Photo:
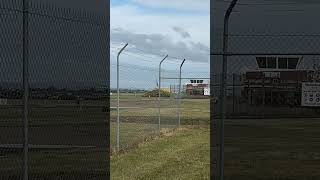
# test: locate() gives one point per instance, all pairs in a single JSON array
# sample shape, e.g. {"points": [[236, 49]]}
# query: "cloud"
{"points": [[197, 25], [186, 5], [153, 32], [162, 44], [181, 31]]}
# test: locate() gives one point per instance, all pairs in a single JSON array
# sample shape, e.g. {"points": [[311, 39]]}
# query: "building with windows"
{"points": [[272, 54], [197, 87], [274, 78], [276, 81]]}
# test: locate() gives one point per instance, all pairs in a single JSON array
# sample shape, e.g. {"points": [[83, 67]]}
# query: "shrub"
{"points": [[155, 93]]}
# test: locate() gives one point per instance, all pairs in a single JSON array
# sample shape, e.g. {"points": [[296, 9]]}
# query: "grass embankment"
{"points": [[184, 154]]}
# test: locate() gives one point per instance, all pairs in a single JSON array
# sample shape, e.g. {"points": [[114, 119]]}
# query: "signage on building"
{"points": [[310, 94], [206, 91], [272, 74]]}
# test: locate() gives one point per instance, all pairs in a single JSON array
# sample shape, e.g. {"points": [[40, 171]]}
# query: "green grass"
{"points": [[185, 154], [56, 164], [131, 134], [257, 149], [272, 149], [193, 111], [139, 124]]}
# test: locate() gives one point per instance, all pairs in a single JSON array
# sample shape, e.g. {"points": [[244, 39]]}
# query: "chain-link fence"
{"points": [[138, 112], [53, 92], [265, 94], [267, 125], [142, 114], [193, 101]]}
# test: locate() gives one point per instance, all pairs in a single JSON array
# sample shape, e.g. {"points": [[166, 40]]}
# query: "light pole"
{"points": [[118, 100], [26, 89], [179, 108], [223, 81], [159, 96]]}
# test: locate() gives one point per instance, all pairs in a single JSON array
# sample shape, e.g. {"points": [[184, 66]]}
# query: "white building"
{"points": [[198, 87]]}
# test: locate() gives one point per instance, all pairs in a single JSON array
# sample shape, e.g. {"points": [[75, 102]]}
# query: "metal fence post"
{"points": [[233, 93], [179, 96], [223, 82], [26, 90], [159, 91], [118, 100], [264, 96]]}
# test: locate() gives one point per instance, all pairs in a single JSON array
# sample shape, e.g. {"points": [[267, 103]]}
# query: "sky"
{"points": [[89, 5], [62, 52], [153, 29], [261, 27]]}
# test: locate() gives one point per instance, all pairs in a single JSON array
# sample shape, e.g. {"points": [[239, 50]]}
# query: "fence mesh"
{"points": [[170, 103], [139, 105], [67, 108], [269, 132], [11, 105], [267, 128], [194, 91]]}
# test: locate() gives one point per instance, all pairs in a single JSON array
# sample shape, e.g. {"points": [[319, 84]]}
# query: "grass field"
{"points": [[53, 124], [131, 134], [167, 157], [193, 110], [183, 154], [67, 123], [255, 149], [73, 164], [138, 124], [258, 149], [269, 149]]}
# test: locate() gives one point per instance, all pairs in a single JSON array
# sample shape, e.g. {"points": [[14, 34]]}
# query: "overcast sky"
{"points": [[61, 52], [153, 28], [91, 5], [266, 26]]}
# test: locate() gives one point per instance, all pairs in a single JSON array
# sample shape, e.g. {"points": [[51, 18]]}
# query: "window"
{"points": [[201, 81], [277, 62], [271, 62], [262, 62], [292, 63], [283, 63]]}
